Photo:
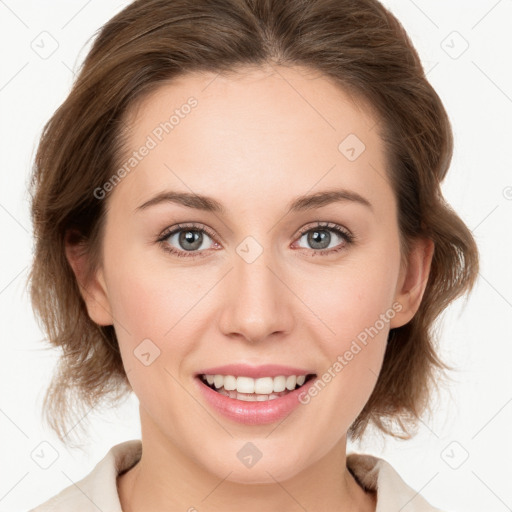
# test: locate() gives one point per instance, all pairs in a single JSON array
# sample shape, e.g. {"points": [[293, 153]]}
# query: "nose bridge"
{"points": [[257, 303], [252, 270]]}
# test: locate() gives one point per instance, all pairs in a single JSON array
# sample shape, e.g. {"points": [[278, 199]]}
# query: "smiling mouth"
{"points": [[255, 390]]}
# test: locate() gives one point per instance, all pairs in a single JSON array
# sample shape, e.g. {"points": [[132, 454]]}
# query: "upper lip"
{"points": [[255, 372]]}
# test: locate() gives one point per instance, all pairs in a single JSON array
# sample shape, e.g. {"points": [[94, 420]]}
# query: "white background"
{"points": [[473, 418]]}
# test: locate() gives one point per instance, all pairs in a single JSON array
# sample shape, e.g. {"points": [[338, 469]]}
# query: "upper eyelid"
{"points": [[325, 225], [182, 226]]}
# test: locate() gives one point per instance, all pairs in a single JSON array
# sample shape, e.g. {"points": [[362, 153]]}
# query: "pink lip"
{"points": [[253, 413], [255, 372]]}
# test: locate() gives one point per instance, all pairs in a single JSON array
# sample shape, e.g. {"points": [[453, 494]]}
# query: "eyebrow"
{"points": [[301, 203]]}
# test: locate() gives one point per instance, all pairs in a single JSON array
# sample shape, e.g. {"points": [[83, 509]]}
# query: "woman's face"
{"points": [[262, 284]]}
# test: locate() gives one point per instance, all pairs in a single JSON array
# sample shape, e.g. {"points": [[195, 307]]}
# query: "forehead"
{"points": [[264, 131]]}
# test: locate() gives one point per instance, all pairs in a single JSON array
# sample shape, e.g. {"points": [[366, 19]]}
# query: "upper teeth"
{"points": [[262, 386]]}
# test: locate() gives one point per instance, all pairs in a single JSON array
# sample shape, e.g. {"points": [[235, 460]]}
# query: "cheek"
{"points": [[153, 330], [359, 317], [352, 300], [159, 316], [150, 301], [355, 305]]}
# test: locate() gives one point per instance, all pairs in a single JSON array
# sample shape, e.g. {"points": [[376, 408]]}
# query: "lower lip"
{"points": [[253, 413]]}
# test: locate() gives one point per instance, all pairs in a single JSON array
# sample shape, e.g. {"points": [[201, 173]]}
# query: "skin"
{"points": [[255, 142]]}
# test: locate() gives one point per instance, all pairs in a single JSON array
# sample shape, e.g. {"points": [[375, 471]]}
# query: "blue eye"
{"points": [[188, 240], [319, 238]]}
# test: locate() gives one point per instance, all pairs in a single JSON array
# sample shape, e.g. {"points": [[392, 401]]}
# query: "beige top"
{"points": [[98, 490]]}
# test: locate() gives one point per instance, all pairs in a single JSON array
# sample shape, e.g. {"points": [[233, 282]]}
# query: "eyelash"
{"points": [[323, 226]]}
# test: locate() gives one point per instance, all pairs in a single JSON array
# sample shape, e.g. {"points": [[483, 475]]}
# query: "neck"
{"points": [[166, 479]]}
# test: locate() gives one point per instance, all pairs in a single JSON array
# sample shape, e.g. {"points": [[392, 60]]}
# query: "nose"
{"points": [[258, 301]]}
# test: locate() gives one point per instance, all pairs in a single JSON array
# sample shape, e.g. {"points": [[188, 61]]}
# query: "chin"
{"points": [[265, 467]]}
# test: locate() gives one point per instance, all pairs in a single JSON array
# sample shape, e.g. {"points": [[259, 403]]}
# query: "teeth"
{"points": [[291, 382], [218, 381], [268, 386], [229, 383], [279, 384], [250, 397]]}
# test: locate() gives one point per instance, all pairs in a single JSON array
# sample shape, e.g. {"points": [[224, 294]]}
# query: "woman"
{"points": [[299, 149]]}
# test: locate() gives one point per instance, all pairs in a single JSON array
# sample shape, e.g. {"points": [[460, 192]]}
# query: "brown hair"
{"points": [[357, 43]]}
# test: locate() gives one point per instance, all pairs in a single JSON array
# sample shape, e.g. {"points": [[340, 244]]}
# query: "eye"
{"points": [[183, 239], [191, 240], [321, 240]]}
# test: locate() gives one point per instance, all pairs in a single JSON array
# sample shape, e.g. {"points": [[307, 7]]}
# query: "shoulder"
{"points": [[98, 490], [376, 474]]}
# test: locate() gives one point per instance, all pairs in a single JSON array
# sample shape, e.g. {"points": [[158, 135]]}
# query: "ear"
{"points": [[412, 280], [92, 288]]}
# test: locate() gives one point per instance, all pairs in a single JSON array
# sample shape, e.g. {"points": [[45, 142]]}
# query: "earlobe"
{"points": [[413, 280], [92, 288]]}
